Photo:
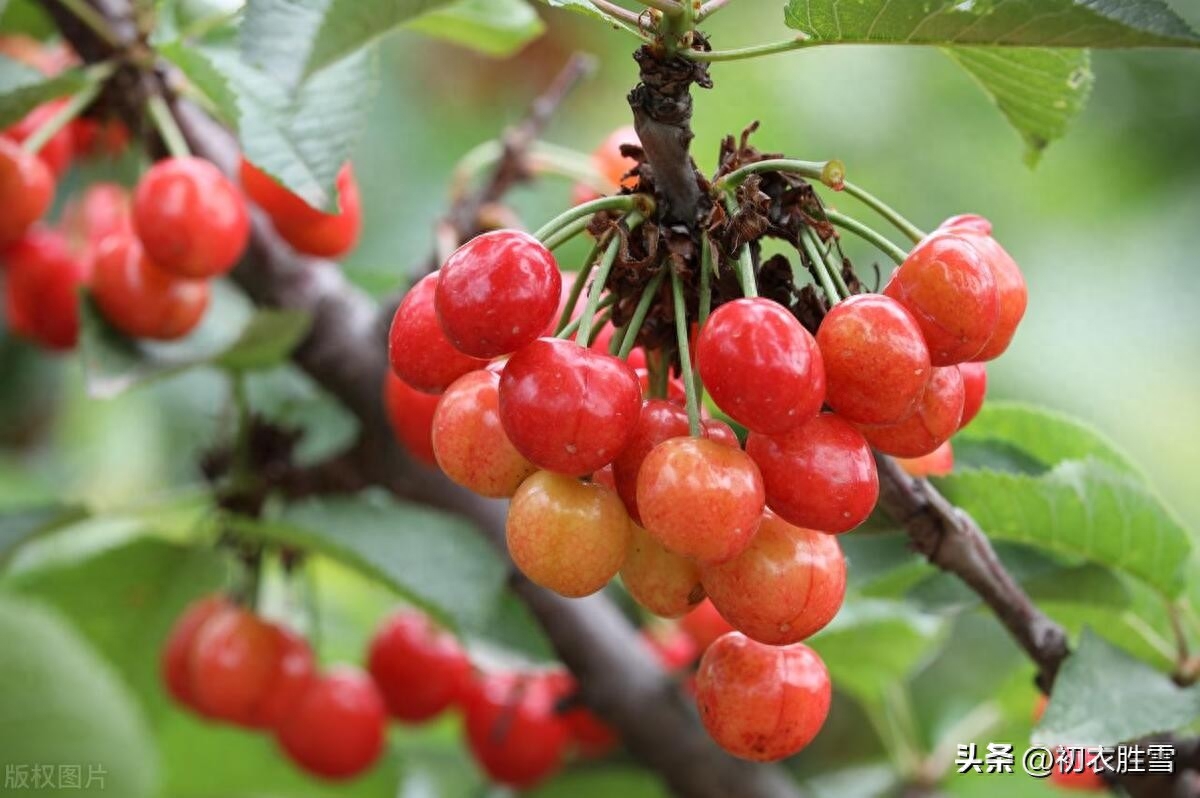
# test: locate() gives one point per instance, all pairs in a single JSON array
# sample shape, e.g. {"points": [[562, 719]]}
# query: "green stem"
{"points": [[629, 340], [623, 202], [874, 237], [710, 8], [602, 272], [745, 267], [706, 269], [577, 289], [832, 173], [567, 233], [671, 8], [685, 356], [603, 315], [755, 51], [72, 109], [818, 263], [168, 128], [886, 211], [93, 19], [835, 266]]}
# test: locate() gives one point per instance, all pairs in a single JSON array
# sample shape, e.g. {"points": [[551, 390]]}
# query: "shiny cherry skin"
{"points": [[659, 420], [968, 222], [60, 149], [568, 536], [951, 292], [568, 409], [469, 441], [762, 703], [141, 300], [410, 414], [784, 588], [306, 229], [700, 498], [717, 430], [1010, 283], [420, 669], [295, 670], [876, 360], [233, 664], [704, 625], [102, 210], [190, 218], [418, 350], [497, 293], [937, 463], [660, 580], [41, 288], [975, 380], [937, 418], [176, 655], [820, 475], [761, 366], [26, 190], [611, 163], [337, 729], [514, 730]]}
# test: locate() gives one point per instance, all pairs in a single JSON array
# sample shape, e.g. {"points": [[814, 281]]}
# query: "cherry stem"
{"points": [[745, 268], [623, 202], [832, 172], [73, 108], [606, 264], [874, 237], [93, 19], [685, 355], [807, 241], [167, 127], [573, 327], [567, 233], [542, 158], [577, 289], [886, 211], [629, 339], [835, 266], [755, 51], [705, 304], [669, 7]]}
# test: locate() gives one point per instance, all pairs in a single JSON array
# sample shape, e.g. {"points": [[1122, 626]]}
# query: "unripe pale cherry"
{"points": [[568, 409], [700, 498], [337, 728], [103, 209], [937, 418], [410, 415], [760, 702], [513, 728], [41, 288], [820, 475], [420, 670], [420, 353], [704, 625], [497, 293], [26, 190], [140, 299], [785, 587], [568, 536], [659, 420], [1010, 283], [974, 390], [876, 360], [951, 292], [469, 441], [937, 463], [306, 229], [760, 365], [190, 218], [660, 580]]}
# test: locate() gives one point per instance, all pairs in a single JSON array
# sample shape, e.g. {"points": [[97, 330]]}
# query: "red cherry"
{"points": [[295, 670], [659, 420], [58, 151], [700, 498], [672, 647], [603, 338], [675, 390], [761, 702], [974, 390], [497, 293], [469, 441], [820, 475], [704, 625], [96, 137], [785, 587], [604, 478], [594, 737], [26, 190], [410, 414], [949, 289], [761, 366], [336, 730], [42, 281], [967, 222], [100, 211], [420, 669], [190, 218], [1086, 780], [233, 663], [568, 536], [937, 463], [660, 580], [611, 163], [566, 408], [141, 300], [1013, 293], [418, 350], [719, 431], [876, 361], [176, 655], [514, 730], [937, 418], [306, 229]]}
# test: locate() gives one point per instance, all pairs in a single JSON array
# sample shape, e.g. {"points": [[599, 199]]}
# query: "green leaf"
{"points": [[267, 341], [494, 27], [437, 560], [1046, 23], [589, 9], [1103, 697], [205, 78], [23, 88], [20, 525], [64, 706]]}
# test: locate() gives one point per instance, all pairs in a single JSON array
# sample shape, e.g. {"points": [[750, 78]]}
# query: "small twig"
{"points": [[619, 12], [710, 8]]}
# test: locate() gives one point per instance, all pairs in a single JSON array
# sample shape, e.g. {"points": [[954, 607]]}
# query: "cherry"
{"points": [[42, 281], [49, 59], [717, 430], [100, 211], [306, 229], [58, 151], [659, 420], [418, 350], [785, 587], [26, 190], [410, 414], [594, 737], [761, 366], [513, 728], [176, 655], [498, 292], [937, 463], [675, 390], [604, 478], [761, 702], [295, 670], [566, 408], [974, 390], [663, 582], [141, 300], [949, 289], [672, 647], [1010, 283], [611, 163], [95, 137], [704, 625], [968, 222], [1062, 776], [420, 669], [937, 418], [469, 441], [700, 498], [820, 475], [876, 361], [568, 536], [337, 728], [190, 218]]}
